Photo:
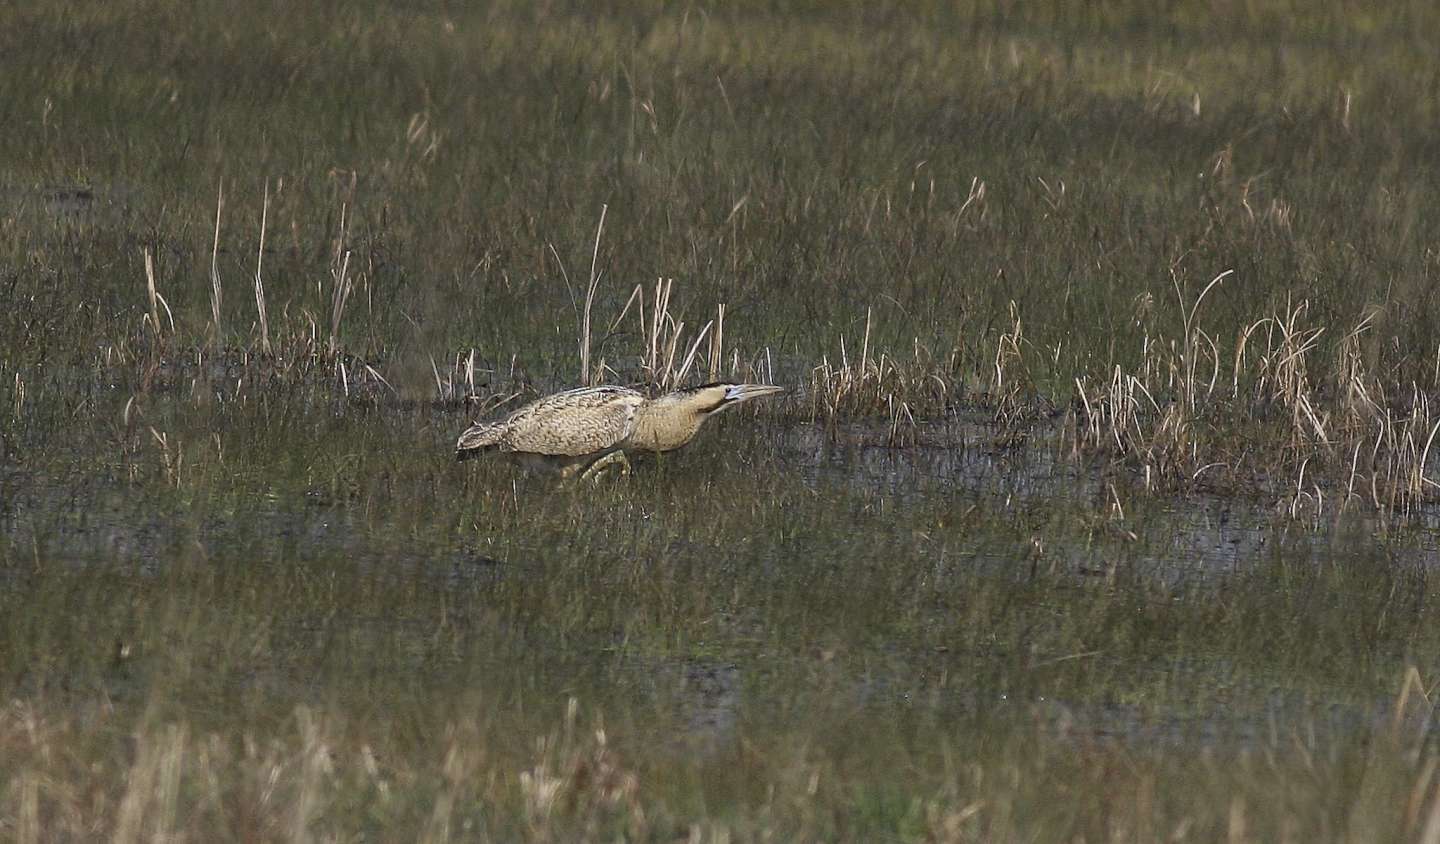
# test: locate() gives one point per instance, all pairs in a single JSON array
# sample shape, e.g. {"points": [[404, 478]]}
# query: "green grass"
{"points": [[829, 128], [916, 667], [248, 594]]}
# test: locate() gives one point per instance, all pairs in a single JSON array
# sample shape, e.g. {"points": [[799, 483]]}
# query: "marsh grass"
{"points": [[574, 783], [1101, 505], [325, 672], [382, 659], [945, 248], [1364, 439]]}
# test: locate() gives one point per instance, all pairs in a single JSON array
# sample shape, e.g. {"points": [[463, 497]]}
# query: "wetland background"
{"points": [[1100, 507]]}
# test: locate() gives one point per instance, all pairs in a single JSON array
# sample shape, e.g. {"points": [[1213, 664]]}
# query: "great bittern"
{"points": [[590, 428]]}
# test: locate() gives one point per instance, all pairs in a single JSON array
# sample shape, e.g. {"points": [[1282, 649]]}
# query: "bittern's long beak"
{"points": [[737, 393]]}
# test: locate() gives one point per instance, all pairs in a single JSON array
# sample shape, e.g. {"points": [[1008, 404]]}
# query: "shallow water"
{"points": [[782, 517]]}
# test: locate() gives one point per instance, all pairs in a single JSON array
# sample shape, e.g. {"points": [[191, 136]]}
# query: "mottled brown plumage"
{"points": [[581, 429]]}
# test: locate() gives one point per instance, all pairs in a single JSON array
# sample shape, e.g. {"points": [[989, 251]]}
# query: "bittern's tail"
{"points": [[477, 438]]}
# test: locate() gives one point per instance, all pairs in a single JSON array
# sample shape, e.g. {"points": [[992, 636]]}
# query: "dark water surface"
{"points": [[765, 568]]}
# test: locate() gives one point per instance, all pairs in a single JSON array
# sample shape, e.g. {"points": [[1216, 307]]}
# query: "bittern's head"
{"points": [[713, 398]]}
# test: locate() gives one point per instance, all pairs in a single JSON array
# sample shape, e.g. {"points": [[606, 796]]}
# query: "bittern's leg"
{"points": [[614, 458]]}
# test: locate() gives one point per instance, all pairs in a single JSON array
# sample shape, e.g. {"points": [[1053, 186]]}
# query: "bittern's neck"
{"points": [[670, 421]]}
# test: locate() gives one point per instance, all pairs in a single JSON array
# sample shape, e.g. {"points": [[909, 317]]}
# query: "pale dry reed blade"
{"points": [[1191, 334], [663, 337], [341, 284], [659, 318], [586, 376], [444, 387], [671, 344], [262, 319], [19, 398], [675, 379], [668, 356], [339, 297], [217, 336], [717, 343], [1008, 352], [636, 296], [157, 301], [865, 345]]}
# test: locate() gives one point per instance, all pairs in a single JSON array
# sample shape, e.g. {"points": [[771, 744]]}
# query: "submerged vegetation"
{"points": [[1101, 504]]}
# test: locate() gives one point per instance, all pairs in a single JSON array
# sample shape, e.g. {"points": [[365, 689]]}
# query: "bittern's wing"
{"points": [[588, 420]]}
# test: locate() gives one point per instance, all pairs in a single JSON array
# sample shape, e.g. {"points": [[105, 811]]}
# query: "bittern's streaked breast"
{"points": [[574, 429]]}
